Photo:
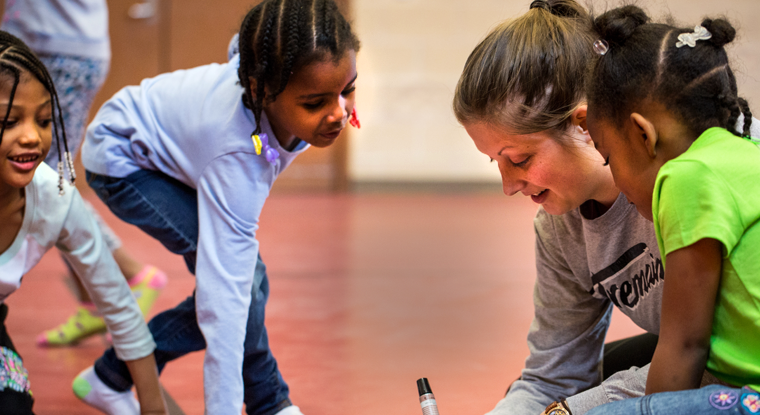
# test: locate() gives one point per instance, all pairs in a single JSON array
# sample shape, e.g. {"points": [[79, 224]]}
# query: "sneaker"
{"points": [[88, 387], [290, 410], [146, 286], [81, 325]]}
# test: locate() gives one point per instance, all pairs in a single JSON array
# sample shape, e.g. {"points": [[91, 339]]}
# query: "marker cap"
{"points": [[423, 386]]}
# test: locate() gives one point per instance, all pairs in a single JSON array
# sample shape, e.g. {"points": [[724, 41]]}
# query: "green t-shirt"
{"points": [[713, 191]]}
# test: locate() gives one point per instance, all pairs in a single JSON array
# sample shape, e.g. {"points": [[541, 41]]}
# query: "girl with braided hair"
{"points": [[39, 210], [189, 157], [521, 97], [71, 39], [663, 105]]}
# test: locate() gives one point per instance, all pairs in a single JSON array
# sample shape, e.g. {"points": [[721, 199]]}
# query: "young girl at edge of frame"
{"points": [[190, 156], [521, 99], [71, 38], [663, 104], [39, 210]]}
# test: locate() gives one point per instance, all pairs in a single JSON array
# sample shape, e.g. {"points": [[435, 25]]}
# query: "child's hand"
{"points": [[145, 376]]}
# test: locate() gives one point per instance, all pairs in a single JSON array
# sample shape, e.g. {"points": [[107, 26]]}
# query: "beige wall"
{"points": [[412, 55]]}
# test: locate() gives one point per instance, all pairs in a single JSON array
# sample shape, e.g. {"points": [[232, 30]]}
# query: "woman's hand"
{"points": [[557, 408]]}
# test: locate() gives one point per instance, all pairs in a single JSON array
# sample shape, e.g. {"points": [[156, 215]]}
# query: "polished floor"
{"points": [[369, 292]]}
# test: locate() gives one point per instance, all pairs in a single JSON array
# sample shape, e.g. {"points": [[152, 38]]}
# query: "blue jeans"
{"points": [[167, 210], [713, 399]]}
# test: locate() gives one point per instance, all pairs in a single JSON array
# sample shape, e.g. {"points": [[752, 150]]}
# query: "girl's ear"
{"points": [[645, 133]]}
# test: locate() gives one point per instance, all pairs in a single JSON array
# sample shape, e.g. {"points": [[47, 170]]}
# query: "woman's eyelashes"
{"points": [[522, 163], [606, 161]]}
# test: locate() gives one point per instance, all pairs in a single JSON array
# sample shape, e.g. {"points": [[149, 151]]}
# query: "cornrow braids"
{"points": [[644, 62], [279, 37], [15, 59]]}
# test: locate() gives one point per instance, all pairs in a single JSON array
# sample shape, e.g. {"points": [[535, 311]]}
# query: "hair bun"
{"points": [[560, 8], [721, 30], [617, 25]]}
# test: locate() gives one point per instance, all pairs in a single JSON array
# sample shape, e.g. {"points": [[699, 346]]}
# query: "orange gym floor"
{"points": [[368, 293]]}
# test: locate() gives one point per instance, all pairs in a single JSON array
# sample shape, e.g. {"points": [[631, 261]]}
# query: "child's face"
{"points": [[28, 130], [633, 170], [558, 176], [316, 103]]}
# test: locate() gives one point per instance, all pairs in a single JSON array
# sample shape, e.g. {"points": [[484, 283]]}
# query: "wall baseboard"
{"points": [[425, 187]]}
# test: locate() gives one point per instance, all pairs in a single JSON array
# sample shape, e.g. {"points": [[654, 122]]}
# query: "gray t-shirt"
{"points": [[584, 268]]}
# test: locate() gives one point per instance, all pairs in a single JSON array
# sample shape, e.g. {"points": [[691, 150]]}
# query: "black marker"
{"points": [[427, 400]]}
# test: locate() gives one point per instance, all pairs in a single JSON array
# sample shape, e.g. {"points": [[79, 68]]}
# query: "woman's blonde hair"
{"points": [[528, 74]]}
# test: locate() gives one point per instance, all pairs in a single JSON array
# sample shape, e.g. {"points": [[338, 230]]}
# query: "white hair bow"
{"points": [[700, 33]]}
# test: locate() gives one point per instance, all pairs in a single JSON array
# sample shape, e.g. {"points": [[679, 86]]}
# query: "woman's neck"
{"points": [[603, 198]]}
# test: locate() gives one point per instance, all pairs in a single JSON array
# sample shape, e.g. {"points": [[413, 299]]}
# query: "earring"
{"points": [[354, 120]]}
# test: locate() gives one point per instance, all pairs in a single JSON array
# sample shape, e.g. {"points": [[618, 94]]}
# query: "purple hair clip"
{"points": [[261, 143]]}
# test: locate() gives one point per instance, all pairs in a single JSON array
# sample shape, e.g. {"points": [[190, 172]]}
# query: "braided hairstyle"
{"points": [[16, 59], [643, 62], [278, 37], [528, 73]]}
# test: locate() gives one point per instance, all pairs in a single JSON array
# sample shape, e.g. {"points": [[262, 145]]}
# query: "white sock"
{"points": [[290, 410], [89, 388]]}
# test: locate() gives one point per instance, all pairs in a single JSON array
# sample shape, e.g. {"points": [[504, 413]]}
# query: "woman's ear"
{"points": [[578, 121], [578, 117], [644, 133]]}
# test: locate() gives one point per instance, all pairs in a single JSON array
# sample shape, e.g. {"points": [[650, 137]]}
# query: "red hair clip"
{"points": [[354, 120]]}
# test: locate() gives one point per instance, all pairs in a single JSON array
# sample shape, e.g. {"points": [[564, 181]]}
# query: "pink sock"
{"points": [[158, 281], [89, 306]]}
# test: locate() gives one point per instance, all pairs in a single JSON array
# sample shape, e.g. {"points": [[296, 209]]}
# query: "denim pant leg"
{"points": [[159, 205], [176, 334], [710, 400]]}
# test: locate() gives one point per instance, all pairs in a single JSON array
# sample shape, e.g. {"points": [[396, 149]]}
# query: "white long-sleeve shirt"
{"points": [[64, 222]]}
